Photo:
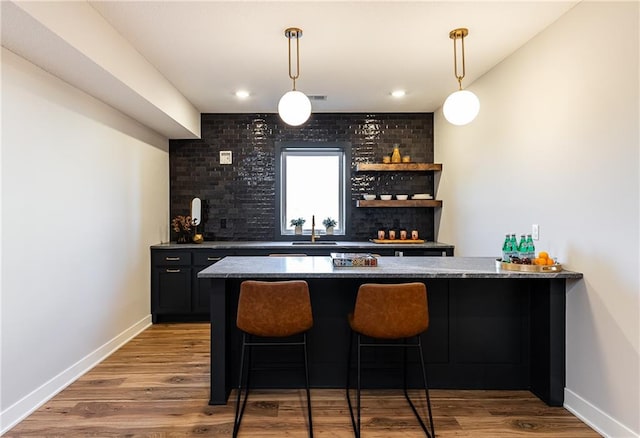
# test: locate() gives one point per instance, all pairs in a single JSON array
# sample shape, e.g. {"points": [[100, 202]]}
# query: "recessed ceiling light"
{"points": [[398, 93], [242, 94]]}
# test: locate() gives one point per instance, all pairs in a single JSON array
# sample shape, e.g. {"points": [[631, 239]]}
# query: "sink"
{"points": [[326, 242]]}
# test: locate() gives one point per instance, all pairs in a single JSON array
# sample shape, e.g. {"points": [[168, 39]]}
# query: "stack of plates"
{"points": [[422, 196]]}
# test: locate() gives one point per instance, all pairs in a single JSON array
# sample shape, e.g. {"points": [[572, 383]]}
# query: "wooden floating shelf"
{"points": [[396, 203], [399, 167]]}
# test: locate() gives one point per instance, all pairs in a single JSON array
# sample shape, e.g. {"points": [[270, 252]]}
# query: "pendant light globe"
{"points": [[461, 107], [294, 108]]}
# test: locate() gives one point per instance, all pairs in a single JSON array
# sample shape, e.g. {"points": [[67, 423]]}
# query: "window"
{"points": [[312, 180]]}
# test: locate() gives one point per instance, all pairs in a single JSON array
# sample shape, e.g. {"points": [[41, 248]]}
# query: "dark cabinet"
{"points": [[200, 293], [176, 292]]}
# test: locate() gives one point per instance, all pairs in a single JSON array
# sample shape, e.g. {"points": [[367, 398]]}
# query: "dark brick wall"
{"points": [[242, 195]]}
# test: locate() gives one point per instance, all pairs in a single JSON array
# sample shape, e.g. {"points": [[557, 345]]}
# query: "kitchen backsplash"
{"points": [[239, 199]]}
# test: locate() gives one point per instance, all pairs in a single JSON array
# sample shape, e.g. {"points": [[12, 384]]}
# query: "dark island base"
{"points": [[483, 334]]}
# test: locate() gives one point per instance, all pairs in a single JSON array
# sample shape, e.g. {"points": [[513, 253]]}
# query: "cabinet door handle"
{"points": [[214, 259], [172, 259], [173, 271]]}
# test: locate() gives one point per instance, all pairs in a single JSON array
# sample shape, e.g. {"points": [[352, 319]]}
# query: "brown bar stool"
{"points": [[276, 309], [390, 312]]}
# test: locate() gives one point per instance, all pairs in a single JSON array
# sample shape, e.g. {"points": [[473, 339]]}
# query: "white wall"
{"points": [[84, 194], [556, 144]]}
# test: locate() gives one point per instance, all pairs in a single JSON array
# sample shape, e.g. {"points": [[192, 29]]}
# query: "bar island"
{"points": [[489, 328]]}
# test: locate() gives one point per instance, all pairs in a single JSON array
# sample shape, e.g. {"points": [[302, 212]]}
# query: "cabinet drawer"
{"points": [[171, 258], [207, 258]]}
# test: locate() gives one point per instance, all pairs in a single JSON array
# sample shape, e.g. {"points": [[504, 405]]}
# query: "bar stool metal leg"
{"points": [[358, 388], [239, 409], [306, 376], [424, 381], [426, 387], [356, 428]]}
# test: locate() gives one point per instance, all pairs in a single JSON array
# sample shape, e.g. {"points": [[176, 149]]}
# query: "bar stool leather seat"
{"points": [[272, 309], [390, 312]]}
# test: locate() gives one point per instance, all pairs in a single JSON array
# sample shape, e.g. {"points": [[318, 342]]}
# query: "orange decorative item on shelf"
{"points": [[396, 157]]}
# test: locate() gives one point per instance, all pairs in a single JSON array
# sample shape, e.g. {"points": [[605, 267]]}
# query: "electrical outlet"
{"points": [[225, 157], [535, 232]]}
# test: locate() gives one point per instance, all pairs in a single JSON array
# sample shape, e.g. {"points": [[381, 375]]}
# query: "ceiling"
{"points": [[353, 52]]}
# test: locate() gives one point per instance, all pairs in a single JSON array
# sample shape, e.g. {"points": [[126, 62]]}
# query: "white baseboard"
{"points": [[598, 420], [28, 404]]}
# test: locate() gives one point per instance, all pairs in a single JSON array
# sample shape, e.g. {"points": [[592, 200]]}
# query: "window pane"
{"points": [[313, 187]]}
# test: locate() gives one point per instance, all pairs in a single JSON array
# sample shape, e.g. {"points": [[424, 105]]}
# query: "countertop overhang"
{"points": [[388, 267]]}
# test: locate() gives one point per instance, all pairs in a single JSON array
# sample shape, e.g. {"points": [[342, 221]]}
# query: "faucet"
{"points": [[313, 229]]}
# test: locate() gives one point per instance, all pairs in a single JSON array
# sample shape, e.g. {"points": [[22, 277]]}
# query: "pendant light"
{"points": [[462, 106], [294, 107]]}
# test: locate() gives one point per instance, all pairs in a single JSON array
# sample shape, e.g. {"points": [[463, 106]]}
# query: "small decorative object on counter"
{"points": [[197, 237], [395, 156], [329, 223], [386, 159], [403, 234], [353, 259], [414, 234], [406, 159], [298, 223], [381, 234], [181, 225], [392, 234]]}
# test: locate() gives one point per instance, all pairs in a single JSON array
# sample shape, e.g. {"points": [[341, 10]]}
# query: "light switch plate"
{"points": [[225, 157]]}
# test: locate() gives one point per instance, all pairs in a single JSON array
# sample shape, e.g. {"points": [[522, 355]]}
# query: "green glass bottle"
{"points": [[514, 247], [506, 249], [522, 247], [531, 248]]}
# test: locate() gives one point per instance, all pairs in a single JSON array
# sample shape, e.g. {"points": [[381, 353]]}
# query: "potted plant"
{"points": [[329, 223], [181, 225], [298, 223]]}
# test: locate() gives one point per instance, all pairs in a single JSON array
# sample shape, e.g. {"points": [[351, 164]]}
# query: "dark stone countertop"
{"points": [[339, 245]]}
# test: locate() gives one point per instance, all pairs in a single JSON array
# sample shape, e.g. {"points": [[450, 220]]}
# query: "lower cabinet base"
{"points": [[198, 317], [483, 334]]}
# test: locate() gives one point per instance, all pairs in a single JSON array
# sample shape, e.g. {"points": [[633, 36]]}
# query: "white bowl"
{"points": [[386, 197], [402, 197], [369, 197]]}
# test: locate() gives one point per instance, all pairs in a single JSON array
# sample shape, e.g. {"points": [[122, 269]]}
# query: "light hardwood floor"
{"points": [[157, 386]]}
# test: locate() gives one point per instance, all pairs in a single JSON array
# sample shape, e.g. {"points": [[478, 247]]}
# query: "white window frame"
{"points": [[311, 149]]}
